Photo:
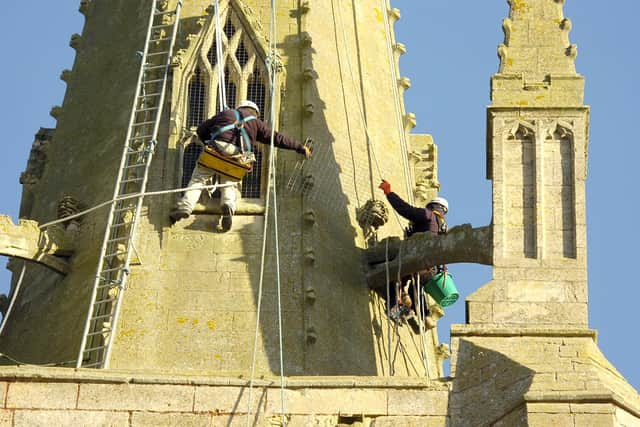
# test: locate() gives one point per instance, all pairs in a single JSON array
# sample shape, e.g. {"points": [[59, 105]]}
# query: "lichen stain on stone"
{"points": [[182, 320], [523, 103], [127, 333], [194, 322], [539, 97], [211, 324], [520, 6], [509, 61], [217, 356], [379, 16]]}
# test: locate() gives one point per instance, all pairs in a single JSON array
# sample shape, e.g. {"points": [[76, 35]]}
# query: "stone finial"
{"points": [[76, 40], [84, 6], [394, 14], [55, 111], [65, 75]]}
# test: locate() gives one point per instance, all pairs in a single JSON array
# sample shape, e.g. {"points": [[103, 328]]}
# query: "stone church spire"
{"points": [[537, 59]]}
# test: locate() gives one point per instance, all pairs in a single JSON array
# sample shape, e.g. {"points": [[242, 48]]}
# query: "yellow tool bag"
{"points": [[224, 165]]}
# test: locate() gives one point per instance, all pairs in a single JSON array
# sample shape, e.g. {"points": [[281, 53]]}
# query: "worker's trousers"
{"points": [[204, 176]]}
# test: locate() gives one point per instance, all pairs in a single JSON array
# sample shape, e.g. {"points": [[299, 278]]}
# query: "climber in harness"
{"points": [[430, 219], [231, 133]]}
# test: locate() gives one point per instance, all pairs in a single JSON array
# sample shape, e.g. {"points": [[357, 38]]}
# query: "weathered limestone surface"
{"points": [[460, 244], [54, 396], [49, 247]]}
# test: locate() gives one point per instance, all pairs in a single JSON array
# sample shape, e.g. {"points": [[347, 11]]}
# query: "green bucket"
{"points": [[442, 289]]}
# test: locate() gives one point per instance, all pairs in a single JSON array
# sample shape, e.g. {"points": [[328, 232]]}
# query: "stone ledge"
{"points": [[47, 374], [519, 331], [583, 397]]}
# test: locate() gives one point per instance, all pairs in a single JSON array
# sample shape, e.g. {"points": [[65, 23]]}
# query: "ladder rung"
{"points": [[90, 365], [115, 254], [119, 224], [164, 12], [145, 123], [126, 208], [160, 40], [147, 109], [131, 180], [154, 67], [119, 239], [103, 316], [109, 270], [146, 82], [164, 52], [103, 301], [108, 285], [140, 137], [150, 95], [135, 166], [155, 27], [93, 334], [89, 350]]}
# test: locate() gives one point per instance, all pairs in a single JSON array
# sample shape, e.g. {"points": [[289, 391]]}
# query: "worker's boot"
{"points": [[227, 218], [177, 214]]}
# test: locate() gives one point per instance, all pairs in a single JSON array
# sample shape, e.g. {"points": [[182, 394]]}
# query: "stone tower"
{"points": [[191, 299], [525, 356]]}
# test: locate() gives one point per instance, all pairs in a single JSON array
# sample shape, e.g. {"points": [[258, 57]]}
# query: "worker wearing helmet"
{"points": [[430, 218], [237, 142]]}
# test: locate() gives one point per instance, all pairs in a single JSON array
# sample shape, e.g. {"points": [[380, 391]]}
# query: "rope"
{"points": [[222, 88], [271, 187], [132, 196], [13, 298], [17, 362], [370, 142], [386, 256], [396, 103]]}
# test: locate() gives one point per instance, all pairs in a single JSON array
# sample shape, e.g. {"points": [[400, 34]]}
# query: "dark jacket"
{"points": [[422, 219], [257, 130]]}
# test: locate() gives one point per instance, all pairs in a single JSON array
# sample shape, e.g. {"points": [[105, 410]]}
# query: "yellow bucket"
{"points": [[232, 168]]}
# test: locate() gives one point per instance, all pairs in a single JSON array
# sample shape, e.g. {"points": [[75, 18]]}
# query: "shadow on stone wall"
{"points": [[488, 388]]}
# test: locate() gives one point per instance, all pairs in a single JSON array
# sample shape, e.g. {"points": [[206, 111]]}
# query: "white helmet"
{"points": [[441, 201], [248, 104]]}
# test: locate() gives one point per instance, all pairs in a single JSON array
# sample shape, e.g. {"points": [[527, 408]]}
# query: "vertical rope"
{"points": [[14, 296], [396, 103], [386, 256], [271, 187], [222, 86]]}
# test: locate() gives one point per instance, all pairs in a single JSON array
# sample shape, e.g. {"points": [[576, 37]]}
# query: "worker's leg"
{"points": [[228, 199], [201, 176]]}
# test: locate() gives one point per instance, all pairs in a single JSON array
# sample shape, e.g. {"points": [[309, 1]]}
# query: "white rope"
{"points": [[396, 101], [370, 142], [132, 196], [386, 256], [271, 187], [222, 88], [14, 296]]}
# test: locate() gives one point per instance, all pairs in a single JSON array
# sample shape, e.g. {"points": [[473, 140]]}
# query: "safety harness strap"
{"points": [[239, 125]]}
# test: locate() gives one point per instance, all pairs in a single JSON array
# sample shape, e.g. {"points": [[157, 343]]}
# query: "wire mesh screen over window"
{"points": [[245, 78]]}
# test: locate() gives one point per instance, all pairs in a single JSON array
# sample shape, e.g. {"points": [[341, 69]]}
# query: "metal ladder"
{"points": [[115, 256]]}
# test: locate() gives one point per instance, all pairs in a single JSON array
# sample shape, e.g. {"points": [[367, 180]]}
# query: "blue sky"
{"points": [[451, 56]]}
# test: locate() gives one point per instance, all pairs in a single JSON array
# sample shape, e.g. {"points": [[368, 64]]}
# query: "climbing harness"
{"points": [[237, 166]]}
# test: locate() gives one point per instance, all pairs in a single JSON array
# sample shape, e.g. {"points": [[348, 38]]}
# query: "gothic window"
{"points": [[244, 78], [197, 99]]}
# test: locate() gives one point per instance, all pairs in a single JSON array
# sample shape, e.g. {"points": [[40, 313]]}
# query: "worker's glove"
{"points": [[307, 152], [385, 186]]}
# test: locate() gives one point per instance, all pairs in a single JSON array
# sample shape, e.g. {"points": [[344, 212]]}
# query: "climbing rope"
{"points": [[212, 188], [396, 101], [14, 296], [222, 88], [272, 66]]}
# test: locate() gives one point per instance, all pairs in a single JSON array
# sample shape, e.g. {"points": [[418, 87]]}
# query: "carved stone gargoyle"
{"points": [[50, 247], [461, 244]]}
